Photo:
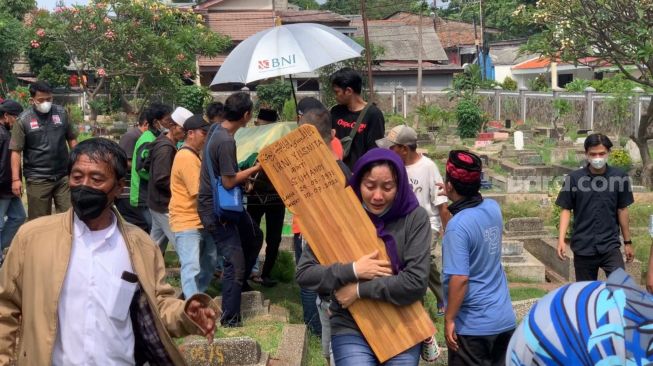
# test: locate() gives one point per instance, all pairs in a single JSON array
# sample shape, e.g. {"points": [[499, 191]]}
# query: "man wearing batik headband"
{"points": [[479, 318]]}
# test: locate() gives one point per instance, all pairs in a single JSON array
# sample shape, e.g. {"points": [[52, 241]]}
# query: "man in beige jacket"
{"points": [[85, 287]]}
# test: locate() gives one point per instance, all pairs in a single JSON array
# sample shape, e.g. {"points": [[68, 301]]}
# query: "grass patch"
{"points": [[314, 356], [642, 245], [514, 210], [525, 293], [171, 259], [497, 168], [284, 267], [640, 214], [266, 332]]}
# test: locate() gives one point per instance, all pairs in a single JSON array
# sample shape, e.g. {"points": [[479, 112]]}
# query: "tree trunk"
{"points": [[641, 140]]}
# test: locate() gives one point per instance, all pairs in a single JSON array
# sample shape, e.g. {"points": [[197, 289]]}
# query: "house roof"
{"points": [[411, 66], [312, 16], [508, 55], [545, 62], [212, 62], [400, 41], [240, 24], [452, 33], [207, 4]]}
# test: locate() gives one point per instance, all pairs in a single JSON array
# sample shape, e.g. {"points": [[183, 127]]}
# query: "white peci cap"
{"points": [[180, 115]]}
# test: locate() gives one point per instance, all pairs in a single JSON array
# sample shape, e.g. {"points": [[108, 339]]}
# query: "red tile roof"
{"points": [[240, 24], [544, 62], [212, 61]]}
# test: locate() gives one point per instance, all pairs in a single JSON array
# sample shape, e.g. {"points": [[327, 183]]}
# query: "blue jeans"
{"points": [[15, 211], [240, 243], [308, 297], [198, 255], [161, 233], [353, 350]]}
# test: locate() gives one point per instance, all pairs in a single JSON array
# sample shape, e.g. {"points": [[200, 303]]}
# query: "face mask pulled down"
{"points": [[88, 203]]}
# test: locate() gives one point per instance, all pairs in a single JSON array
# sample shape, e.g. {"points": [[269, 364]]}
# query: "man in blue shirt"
{"points": [[479, 318]]}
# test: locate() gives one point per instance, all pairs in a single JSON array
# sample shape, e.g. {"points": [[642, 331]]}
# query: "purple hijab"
{"points": [[404, 203]]}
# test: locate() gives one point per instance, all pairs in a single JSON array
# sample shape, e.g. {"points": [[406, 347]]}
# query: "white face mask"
{"points": [[597, 163], [43, 107]]}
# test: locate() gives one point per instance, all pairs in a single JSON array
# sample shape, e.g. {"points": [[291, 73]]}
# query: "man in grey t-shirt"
{"points": [[240, 240]]}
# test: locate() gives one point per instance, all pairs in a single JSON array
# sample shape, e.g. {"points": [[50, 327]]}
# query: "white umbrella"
{"points": [[285, 50]]}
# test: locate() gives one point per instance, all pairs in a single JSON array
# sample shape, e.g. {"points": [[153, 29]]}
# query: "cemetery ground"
{"points": [[267, 329], [530, 234]]}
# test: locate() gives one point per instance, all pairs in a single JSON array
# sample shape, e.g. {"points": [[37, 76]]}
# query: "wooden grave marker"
{"points": [[304, 172]]}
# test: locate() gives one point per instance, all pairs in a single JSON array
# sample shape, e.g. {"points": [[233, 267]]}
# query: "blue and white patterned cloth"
{"points": [[587, 323]]}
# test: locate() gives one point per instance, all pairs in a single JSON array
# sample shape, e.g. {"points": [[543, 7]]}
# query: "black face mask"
{"points": [[88, 203]]}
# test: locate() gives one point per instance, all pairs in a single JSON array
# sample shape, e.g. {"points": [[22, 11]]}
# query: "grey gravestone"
{"points": [[227, 351], [530, 160], [512, 251], [252, 303], [525, 224], [633, 151]]}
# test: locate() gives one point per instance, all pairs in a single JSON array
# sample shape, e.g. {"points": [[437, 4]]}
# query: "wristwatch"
{"points": [[628, 241]]}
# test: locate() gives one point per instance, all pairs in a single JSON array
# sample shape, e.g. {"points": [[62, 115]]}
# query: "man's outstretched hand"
{"points": [[203, 316]]}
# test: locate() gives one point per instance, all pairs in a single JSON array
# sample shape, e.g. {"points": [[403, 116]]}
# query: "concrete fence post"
{"points": [[637, 108], [394, 100], [589, 107], [497, 103], [522, 103]]}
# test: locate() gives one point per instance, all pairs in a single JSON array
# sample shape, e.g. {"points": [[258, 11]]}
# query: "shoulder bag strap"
{"points": [[355, 129]]}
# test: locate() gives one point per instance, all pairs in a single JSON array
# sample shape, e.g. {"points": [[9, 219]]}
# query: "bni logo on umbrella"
{"points": [[277, 62]]}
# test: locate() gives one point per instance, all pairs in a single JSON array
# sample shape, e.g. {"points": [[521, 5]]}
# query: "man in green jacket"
{"points": [[159, 120]]}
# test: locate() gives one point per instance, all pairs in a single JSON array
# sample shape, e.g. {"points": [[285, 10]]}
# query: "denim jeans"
{"points": [[198, 255], [13, 209], [240, 243], [161, 233], [353, 350], [308, 297]]}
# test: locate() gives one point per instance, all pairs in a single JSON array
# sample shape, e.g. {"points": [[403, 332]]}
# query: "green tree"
{"points": [[376, 9], [359, 64], [513, 17], [306, 4], [17, 8], [141, 46], [617, 32], [48, 61], [12, 43], [274, 94], [194, 98]]}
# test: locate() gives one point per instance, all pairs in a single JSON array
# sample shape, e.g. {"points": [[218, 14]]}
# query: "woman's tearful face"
{"points": [[378, 190]]}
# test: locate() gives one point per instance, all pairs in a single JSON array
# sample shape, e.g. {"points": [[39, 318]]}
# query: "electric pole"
{"points": [[482, 42], [368, 53], [419, 66]]}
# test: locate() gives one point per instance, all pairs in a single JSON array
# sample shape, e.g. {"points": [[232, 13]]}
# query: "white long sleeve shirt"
{"points": [[94, 326]]}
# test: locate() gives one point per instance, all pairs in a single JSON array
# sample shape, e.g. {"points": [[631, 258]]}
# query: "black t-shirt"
{"points": [[5, 164], [221, 149], [128, 141], [594, 201], [371, 129]]}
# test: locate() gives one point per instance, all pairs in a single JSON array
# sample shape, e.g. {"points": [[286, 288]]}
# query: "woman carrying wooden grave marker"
{"points": [[380, 182]]}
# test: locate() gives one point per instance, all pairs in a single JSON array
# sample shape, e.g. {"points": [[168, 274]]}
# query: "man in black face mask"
{"points": [[90, 287], [40, 139]]}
